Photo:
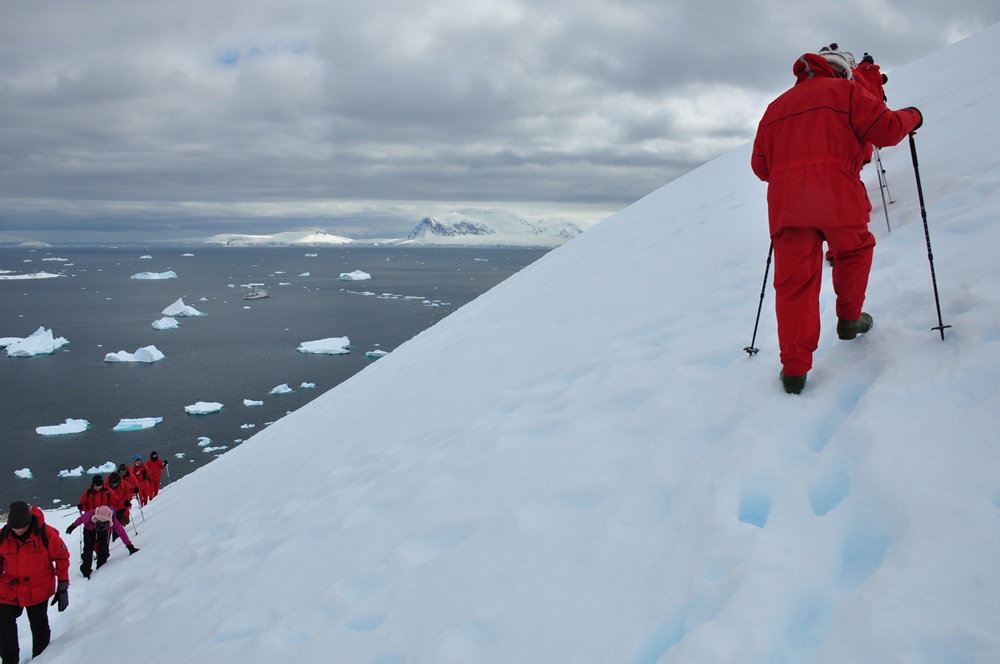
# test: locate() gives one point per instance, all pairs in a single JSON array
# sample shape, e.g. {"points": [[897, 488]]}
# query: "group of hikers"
{"points": [[34, 559]]}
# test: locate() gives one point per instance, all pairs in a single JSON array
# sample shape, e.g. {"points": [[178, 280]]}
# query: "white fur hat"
{"points": [[841, 61]]}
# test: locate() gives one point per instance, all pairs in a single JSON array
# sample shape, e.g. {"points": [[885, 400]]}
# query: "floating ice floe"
{"points": [[178, 308], [170, 274], [166, 323], [137, 423], [281, 389], [61, 260], [204, 441], [357, 275], [203, 408], [251, 402], [24, 473], [69, 426], [284, 283], [108, 467], [217, 449], [247, 426], [187, 255], [312, 255], [41, 342], [147, 256], [180, 455], [76, 472], [375, 354], [146, 354], [203, 299], [305, 274], [307, 386], [35, 275], [331, 346]]}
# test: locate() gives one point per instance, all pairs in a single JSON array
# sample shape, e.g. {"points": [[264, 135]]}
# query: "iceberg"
{"points": [[251, 402], [204, 441], [281, 389], [136, 424], [375, 354], [307, 386], [155, 275], [178, 308], [217, 449], [24, 473], [147, 256], [76, 472], [203, 408], [247, 426], [41, 342], [331, 346], [108, 467], [357, 275], [146, 354], [69, 426], [166, 323], [34, 275], [305, 274]]}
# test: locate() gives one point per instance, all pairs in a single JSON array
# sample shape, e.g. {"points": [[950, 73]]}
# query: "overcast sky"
{"points": [[133, 120]]}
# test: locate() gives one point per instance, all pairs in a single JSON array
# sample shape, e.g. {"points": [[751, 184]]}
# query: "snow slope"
{"points": [[583, 465]]}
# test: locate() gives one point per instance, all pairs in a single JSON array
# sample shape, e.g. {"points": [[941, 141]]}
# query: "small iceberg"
{"points": [[217, 449], [24, 473], [375, 354], [187, 255], [108, 467], [178, 308], [251, 402], [331, 346], [76, 472], [282, 389], [203, 408], [147, 256], [41, 342], [147, 354], [155, 275], [135, 424], [307, 386], [247, 426], [357, 275], [305, 274], [166, 323], [204, 441], [69, 426]]}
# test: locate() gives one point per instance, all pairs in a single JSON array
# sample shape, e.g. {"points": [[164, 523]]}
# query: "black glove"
{"points": [[919, 114], [166, 463], [885, 79], [69, 530], [61, 597], [132, 549]]}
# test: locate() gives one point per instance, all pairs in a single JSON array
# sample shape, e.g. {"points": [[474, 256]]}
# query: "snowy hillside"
{"points": [[584, 466]]}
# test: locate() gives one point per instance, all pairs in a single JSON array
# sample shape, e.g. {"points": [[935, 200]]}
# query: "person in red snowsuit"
{"points": [[121, 498], [34, 566], [154, 467], [95, 496], [809, 148], [871, 77], [141, 478]]}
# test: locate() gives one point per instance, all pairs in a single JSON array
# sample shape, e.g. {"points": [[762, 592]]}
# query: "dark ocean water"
{"points": [[229, 355]]}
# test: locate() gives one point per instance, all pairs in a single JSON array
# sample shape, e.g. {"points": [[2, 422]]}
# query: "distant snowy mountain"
{"points": [[491, 229], [308, 238], [23, 242]]}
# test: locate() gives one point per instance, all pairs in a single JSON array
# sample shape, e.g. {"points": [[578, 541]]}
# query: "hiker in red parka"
{"points": [[95, 496], [33, 560], [154, 467], [141, 478], [871, 77], [808, 148], [121, 498]]}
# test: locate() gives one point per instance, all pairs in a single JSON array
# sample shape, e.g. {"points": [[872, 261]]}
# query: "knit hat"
{"points": [[867, 58], [102, 513], [154, 455], [137, 458], [97, 481], [841, 61], [114, 479], [20, 514]]}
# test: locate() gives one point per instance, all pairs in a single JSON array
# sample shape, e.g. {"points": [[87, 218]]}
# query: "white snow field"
{"points": [[583, 466]]}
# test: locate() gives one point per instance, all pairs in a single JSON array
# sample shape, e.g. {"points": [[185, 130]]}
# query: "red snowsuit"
{"points": [[29, 570], [869, 75], [809, 148], [93, 498], [154, 468], [141, 478]]}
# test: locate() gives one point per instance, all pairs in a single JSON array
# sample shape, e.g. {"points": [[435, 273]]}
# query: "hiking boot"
{"points": [[849, 329], [793, 384], [84, 571]]}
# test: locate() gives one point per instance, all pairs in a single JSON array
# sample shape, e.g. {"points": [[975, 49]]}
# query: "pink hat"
{"points": [[103, 513]]}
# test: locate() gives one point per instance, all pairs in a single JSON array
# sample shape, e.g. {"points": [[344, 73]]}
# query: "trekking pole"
{"points": [[881, 175], [751, 351], [883, 186], [927, 235], [139, 501]]}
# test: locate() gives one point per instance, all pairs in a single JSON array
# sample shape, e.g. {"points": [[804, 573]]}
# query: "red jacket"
{"points": [[154, 467], [29, 569], [92, 499], [810, 146], [121, 496], [869, 75]]}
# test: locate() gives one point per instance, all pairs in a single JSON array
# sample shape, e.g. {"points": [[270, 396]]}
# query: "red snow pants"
{"points": [[798, 276]]}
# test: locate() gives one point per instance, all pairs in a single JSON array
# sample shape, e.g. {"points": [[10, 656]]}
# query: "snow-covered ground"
{"points": [[583, 465]]}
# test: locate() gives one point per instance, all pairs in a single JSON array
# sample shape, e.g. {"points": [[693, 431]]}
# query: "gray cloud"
{"points": [[191, 118]]}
